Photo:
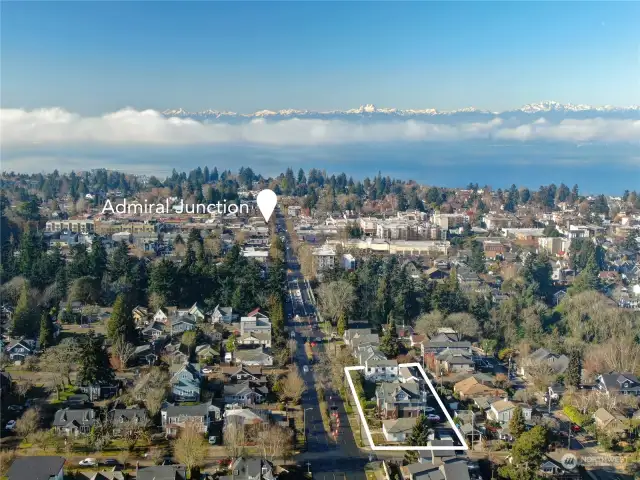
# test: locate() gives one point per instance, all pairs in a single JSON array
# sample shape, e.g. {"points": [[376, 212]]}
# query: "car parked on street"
{"points": [[433, 417], [88, 462], [11, 425]]}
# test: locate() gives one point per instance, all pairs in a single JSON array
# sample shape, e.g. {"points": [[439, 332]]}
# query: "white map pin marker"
{"points": [[267, 200]]}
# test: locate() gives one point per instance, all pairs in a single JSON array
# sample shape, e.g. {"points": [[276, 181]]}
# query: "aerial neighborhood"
{"points": [[499, 325]]}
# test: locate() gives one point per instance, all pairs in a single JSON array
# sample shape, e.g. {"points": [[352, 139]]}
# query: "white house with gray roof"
{"points": [[381, 370]]}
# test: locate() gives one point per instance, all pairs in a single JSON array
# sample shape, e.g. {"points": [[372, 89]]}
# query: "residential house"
{"points": [[74, 422], [120, 416], [353, 333], [452, 361], [502, 411], [36, 468], [255, 321], [242, 373], [255, 338], [113, 474], [406, 375], [174, 417], [471, 388], [250, 469], [253, 356], [222, 315], [558, 363], [381, 370], [153, 331], [101, 391], [554, 468], [207, 354], [162, 472], [244, 393], [140, 315], [185, 383], [244, 416], [611, 422], [368, 352], [399, 429], [161, 316], [618, 383], [182, 323], [440, 465], [20, 349], [397, 400]]}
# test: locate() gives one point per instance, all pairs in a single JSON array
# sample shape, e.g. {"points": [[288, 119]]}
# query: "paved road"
{"points": [[327, 457]]}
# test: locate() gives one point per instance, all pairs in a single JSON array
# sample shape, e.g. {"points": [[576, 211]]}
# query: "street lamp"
{"points": [[304, 423]]}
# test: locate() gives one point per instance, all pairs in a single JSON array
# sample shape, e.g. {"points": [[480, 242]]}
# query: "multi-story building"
{"points": [[325, 257], [76, 226]]}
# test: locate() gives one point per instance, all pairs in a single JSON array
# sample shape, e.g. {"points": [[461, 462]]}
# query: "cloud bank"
{"points": [[51, 127]]}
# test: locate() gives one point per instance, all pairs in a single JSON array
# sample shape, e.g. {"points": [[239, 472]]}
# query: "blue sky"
{"points": [[96, 57]]}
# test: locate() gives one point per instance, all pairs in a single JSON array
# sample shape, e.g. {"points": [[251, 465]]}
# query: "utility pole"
{"points": [[569, 437]]}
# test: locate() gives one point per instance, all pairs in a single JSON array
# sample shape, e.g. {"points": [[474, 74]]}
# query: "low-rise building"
{"points": [[398, 400], [175, 417], [399, 429]]}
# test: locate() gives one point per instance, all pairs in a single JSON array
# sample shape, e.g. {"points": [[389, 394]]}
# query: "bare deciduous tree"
{"points": [[429, 323], [275, 441], [190, 448], [292, 386], [335, 299], [28, 423], [234, 438], [124, 351], [541, 373], [465, 325], [132, 431]]}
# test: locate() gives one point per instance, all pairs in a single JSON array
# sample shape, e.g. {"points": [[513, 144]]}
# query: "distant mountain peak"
{"points": [[370, 110]]}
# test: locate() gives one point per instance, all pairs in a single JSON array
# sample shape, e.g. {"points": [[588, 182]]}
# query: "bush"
{"points": [[575, 415]]}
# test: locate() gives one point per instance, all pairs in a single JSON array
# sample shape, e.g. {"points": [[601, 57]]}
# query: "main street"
{"points": [[327, 457]]}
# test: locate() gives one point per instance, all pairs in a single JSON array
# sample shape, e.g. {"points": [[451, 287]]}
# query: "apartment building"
{"points": [[76, 226]]}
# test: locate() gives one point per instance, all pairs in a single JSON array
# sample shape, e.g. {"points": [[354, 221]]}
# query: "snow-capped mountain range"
{"points": [[549, 110]]}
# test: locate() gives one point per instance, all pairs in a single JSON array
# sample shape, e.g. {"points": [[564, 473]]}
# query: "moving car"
{"points": [[305, 369], [88, 462], [11, 424], [213, 440]]}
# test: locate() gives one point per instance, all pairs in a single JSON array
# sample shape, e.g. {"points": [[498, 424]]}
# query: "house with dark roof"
{"points": [[397, 400], [558, 363], [162, 472], [452, 361], [18, 350], [123, 416], [182, 323], [74, 422], [618, 384], [185, 383], [241, 373], [36, 468], [250, 469], [245, 393], [174, 417]]}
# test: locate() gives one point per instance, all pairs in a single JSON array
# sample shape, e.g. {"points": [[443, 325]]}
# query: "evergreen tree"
{"points": [[589, 277], [46, 331], [121, 324], [25, 316], [342, 324], [477, 259], [95, 367], [630, 243], [573, 375], [276, 315], [517, 425], [389, 342], [98, 259], [419, 437]]}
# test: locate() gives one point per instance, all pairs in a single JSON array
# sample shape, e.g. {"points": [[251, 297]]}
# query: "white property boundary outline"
{"points": [[404, 448]]}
